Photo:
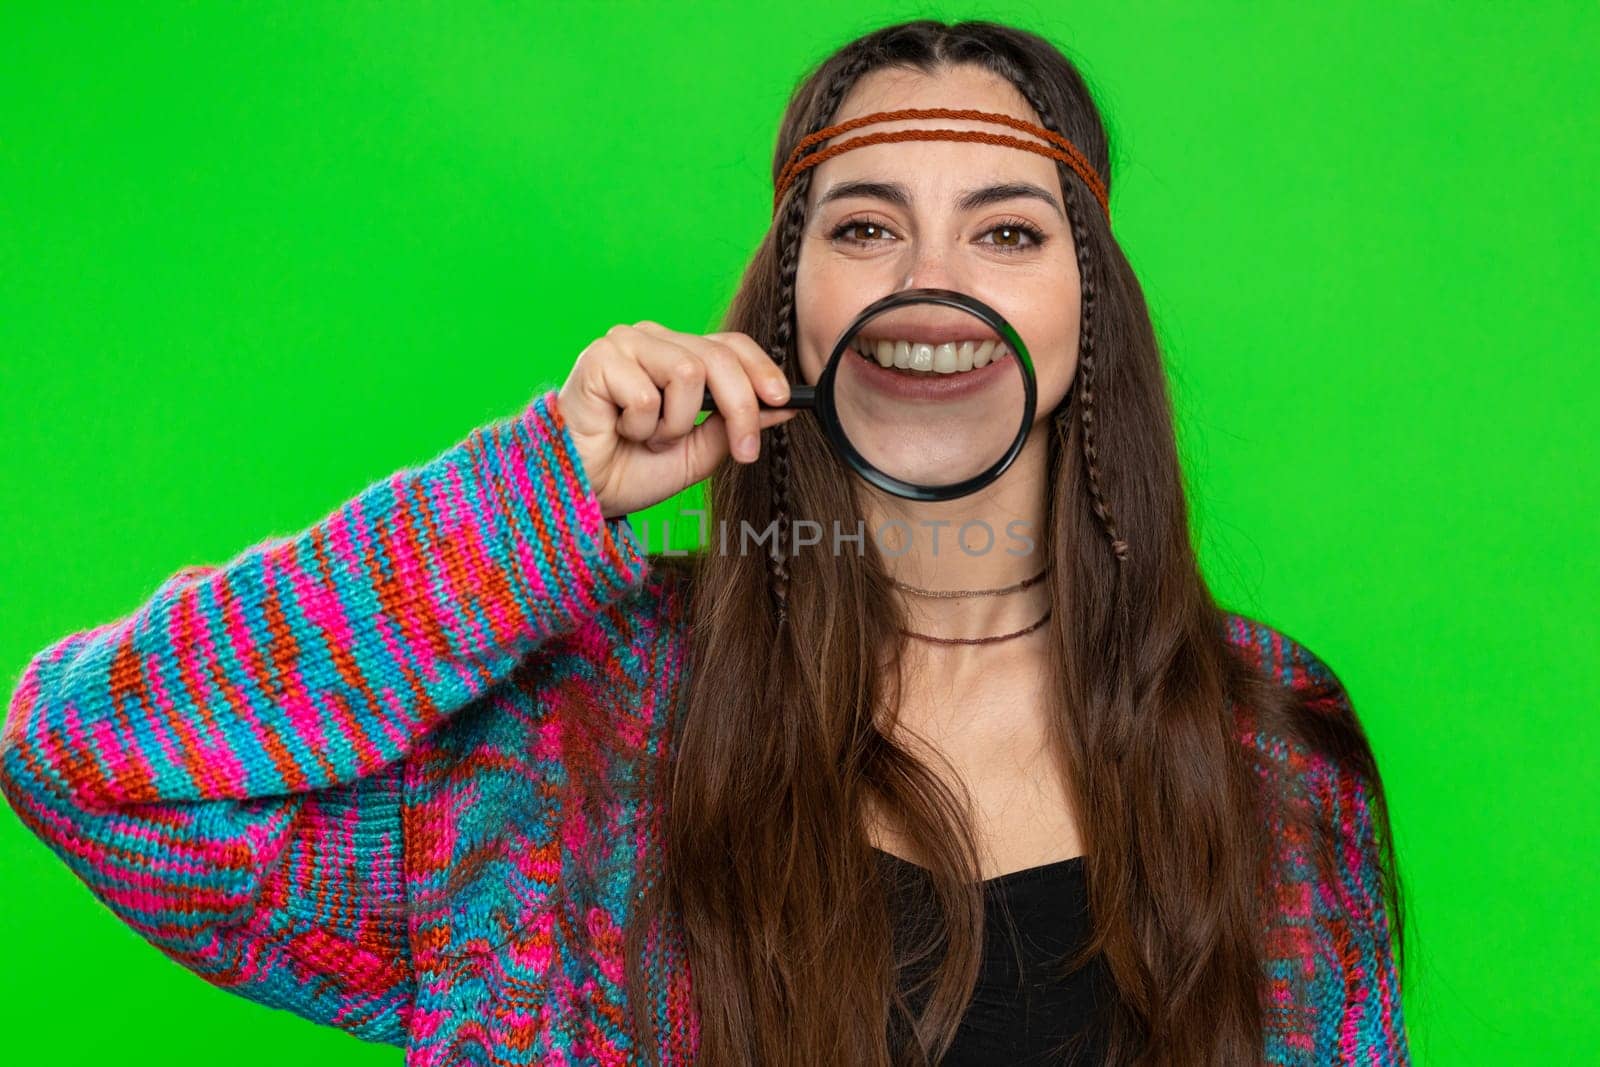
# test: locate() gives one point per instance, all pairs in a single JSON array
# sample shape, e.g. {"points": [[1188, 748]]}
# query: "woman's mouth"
{"points": [[899, 369], [951, 357]]}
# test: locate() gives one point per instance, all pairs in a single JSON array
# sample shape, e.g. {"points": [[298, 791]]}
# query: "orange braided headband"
{"points": [[1066, 152]]}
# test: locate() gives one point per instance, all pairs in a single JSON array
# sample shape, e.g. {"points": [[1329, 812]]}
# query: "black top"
{"points": [[1019, 1014]]}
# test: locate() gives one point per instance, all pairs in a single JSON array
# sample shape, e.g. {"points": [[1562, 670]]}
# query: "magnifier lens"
{"points": [[930, 394]]}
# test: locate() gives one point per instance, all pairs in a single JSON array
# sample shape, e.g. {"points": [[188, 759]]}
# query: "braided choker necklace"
{"points": [[964, 593]]}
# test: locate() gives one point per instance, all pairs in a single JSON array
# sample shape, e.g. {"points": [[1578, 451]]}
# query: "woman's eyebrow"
{"points": [[895, 193]]}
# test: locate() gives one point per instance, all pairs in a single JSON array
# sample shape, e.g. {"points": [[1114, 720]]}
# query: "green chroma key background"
{"points": [[253, 259]]}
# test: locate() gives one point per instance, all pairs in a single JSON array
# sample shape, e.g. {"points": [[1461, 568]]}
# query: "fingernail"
{"points": [[777, 391], [748, 446]]}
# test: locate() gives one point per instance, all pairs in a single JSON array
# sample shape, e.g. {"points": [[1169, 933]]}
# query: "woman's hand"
{"points": [[631, 402]]}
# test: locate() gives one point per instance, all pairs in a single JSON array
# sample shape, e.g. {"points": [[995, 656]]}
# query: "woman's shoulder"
{"points": [[1314, 750], [1277, 654], [1297, 721], [1320, 702]]}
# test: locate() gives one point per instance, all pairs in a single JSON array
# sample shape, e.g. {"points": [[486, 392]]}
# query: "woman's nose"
{"points": [[929, 269]]}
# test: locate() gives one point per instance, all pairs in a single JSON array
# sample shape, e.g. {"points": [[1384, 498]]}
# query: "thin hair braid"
{"points": [[1086, 347], [778, 446], [794, 217]]}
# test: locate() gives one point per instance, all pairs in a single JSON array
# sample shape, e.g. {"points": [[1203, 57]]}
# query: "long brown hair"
{"points": [[777, 750]]}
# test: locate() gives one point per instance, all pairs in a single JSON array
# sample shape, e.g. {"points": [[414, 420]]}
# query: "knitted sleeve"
{"points": [[223, 767], [1366, 1024], [1372, 1022]]}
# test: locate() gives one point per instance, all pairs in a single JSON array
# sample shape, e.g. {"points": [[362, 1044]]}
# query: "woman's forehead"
{"points": [[926, 174], [933, 171]]}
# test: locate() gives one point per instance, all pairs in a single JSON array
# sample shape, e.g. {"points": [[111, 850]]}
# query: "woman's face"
{"points": [[909, 229]]}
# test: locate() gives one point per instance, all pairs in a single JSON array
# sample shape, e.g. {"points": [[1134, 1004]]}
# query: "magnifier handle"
{"points": [[800, 396]]}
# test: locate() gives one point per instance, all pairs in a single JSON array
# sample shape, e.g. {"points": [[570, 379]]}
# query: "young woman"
{"points": [[460, 768]]}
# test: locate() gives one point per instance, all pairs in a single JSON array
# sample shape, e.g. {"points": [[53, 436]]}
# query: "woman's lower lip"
{"points": [[932, 385]]}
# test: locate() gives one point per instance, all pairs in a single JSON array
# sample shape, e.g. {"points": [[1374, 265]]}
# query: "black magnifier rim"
{"points": [[829, 415]]}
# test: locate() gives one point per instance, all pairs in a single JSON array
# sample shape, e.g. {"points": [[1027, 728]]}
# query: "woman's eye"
{"points": [[848, 231], [1016, 236]]}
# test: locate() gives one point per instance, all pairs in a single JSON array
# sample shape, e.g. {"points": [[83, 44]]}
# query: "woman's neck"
{"points": [[988, 540]]}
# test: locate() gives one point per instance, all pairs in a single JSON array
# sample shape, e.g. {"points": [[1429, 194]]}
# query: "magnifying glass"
{"points": [[929, 394]]}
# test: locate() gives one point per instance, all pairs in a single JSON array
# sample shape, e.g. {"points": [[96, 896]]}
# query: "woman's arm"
{"points": [[1371, 1023], [1368, 1025], [223, 767]]}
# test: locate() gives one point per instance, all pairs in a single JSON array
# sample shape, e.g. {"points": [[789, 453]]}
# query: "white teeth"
{"points": [[951, 357]]}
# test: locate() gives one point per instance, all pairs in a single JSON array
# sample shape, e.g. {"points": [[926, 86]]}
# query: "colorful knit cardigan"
{"points": [[334, 776]]}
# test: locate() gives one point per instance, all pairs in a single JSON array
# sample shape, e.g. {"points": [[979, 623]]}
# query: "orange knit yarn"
{"points": [[1067, 152]]}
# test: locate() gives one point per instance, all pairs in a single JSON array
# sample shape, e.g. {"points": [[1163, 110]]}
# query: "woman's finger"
{"points": [[681, 373], [764, 371], [635, 393], [735, 396], [730, 387]]}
